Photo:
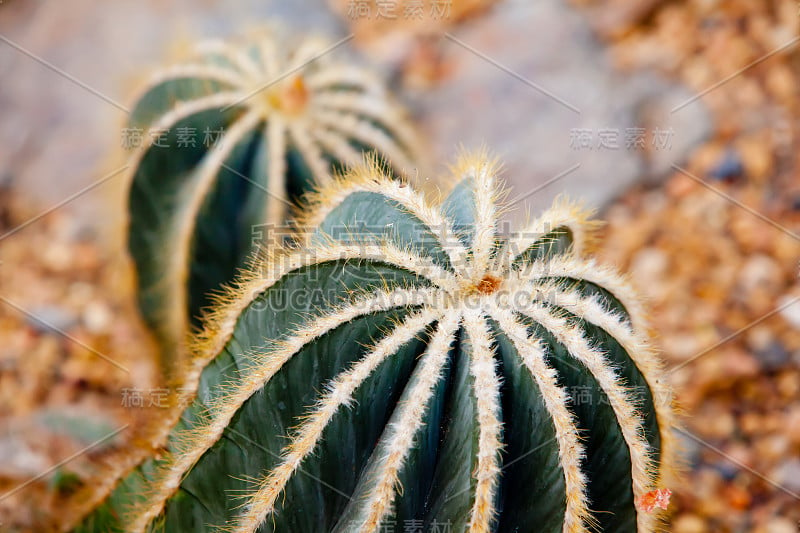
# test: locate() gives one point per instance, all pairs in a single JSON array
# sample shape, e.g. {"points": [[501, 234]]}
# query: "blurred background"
{"points": [[677, 120]]}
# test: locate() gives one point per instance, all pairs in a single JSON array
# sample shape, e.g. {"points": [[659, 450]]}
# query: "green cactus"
{"points": [[233, 137], [406, 363]]}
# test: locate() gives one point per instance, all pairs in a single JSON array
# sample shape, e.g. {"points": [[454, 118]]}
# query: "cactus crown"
{"points": [[433, 371], [235, 136]]}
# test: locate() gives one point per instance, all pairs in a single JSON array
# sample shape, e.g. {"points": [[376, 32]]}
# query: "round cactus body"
{"points": [[230, 140], [407, 365]]}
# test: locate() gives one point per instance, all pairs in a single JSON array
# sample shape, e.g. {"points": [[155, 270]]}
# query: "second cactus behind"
{"points": [[230, 140]]}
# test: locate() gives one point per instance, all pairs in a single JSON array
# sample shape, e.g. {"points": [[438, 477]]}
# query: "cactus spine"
{"points": [[433, 371]]}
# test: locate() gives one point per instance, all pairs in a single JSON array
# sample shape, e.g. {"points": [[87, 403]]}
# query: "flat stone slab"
{"points": [[532, 83], [529, 81]]}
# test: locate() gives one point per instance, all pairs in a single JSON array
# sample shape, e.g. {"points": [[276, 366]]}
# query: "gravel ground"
{"points": [[712, 243], [716, 250]]}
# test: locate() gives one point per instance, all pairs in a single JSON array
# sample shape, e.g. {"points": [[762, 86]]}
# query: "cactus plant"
{"points": [[407, 364], [233, 137]]}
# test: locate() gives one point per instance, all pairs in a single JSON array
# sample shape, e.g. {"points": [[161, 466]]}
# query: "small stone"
{"points": [[680, 185], [760, 271], [51, 319], [756, 157], [781, 82], [751, 423], [780, 525], [773, 447], [740, 452], [689, 523], [788, 383], [716, 424], [787, 474], [784, 248], [97, 317], [748, 231], [737, 497], [759, 337], [690, 449], [80, 293], [790, 311], [792, 424], [729, 167], [681, 346], [19, 460], [647, 269], [58, 256], [706, 488], [774, 357], [738, 363], [87, 258], [727, 470]]}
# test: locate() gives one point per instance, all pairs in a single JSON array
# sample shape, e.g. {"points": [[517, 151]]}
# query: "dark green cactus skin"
{"points": [[223, 231], [178, 264], [331, 488]]}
